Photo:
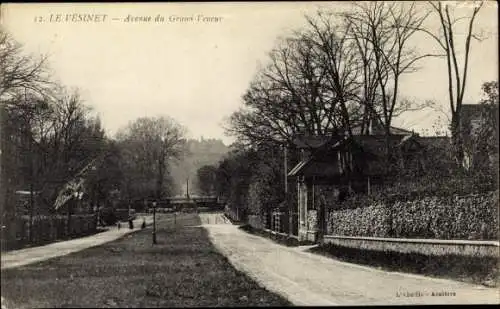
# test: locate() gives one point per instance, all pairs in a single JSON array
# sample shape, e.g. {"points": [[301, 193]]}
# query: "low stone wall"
{"points": [[421, 246]]}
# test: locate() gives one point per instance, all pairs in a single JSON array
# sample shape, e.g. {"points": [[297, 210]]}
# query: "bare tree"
{"points": [[146, 145], [382, 32], [457, 77], [338, 59], [306, 89], [20, 73]]}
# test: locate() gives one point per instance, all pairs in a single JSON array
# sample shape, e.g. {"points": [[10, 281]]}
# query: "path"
{"points": [[26, 256], [309, 279]]}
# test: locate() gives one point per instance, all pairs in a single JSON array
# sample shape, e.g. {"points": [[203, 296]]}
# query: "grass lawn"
{"points": [[183, 269], [476, 270]]}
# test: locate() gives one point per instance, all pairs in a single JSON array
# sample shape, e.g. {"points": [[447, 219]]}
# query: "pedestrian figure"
{"points": [[143, 226], [118, 224], [130, 223]]}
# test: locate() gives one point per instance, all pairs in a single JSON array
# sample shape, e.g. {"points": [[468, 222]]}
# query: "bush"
{"points": [[460, 217], [108, 216]]}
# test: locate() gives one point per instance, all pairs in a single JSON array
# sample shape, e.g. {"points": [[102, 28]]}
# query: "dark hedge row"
{"points": [[473, 216]]}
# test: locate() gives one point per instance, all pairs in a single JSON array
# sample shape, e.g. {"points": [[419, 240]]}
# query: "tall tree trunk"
{"points": [[456, 139]]}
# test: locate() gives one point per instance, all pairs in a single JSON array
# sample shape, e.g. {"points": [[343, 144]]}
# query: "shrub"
{"points": [[459, 217], [108, 216]]}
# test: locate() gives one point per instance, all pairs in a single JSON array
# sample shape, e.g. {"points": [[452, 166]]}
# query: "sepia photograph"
{"points": [[223, 154]]}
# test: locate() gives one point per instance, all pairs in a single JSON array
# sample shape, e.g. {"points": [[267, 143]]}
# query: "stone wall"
{"points": [[421, 246]]}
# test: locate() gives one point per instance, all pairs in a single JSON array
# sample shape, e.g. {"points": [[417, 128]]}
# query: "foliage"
{"points": [[481, 138], [251, 180], [108, 216], [458, 217], [147, 148], [48, 133], [56, 136], [233, 178], [206, 179]]}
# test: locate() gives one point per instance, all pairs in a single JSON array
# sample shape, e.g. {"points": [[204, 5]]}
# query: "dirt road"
{"points": [[308, 279]]}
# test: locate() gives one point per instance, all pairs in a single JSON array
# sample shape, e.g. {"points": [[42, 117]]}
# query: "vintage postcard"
{"points": [[249, 154]]}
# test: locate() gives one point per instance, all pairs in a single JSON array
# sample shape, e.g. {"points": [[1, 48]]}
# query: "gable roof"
{"points": [[379, 130], [312, 141], [323, 161], [303, 141]]}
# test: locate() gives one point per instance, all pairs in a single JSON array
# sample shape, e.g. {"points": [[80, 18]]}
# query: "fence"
{"points": [[278, 221], [235, 214], [47, 229]]}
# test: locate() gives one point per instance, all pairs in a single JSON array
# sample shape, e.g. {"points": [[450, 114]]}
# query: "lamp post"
{"points": [[154, 223], [159, 184]]}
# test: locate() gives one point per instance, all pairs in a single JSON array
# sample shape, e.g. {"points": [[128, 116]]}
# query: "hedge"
{"points": [[472, 217]]}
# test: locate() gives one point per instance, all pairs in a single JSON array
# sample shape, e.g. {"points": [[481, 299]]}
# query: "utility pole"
{"points": [[29, 136], [161, 164], [32, 200]]}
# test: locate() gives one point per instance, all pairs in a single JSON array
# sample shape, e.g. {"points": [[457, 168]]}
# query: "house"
{"points": [[348, 164]]}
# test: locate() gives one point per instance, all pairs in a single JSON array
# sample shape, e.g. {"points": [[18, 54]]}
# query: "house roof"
{"points": [[312, 141], [379, 130], [318, 141], [323, 160]]}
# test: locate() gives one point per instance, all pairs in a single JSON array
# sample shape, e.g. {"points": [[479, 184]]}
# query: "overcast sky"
{"points": [[196, 71]]}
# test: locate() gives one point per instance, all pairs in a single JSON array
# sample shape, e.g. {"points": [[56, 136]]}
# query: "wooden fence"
{"points": [[46, 229]]}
